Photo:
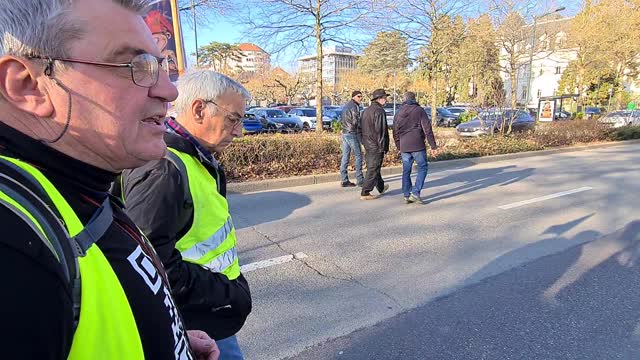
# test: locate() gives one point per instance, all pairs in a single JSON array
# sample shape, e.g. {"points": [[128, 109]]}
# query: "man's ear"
{"points": [[198, 107], [23, 85]]}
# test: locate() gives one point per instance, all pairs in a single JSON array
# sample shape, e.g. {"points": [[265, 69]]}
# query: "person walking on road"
{"points": [[83, 94], [180, 203], [351, 139], [375, 138], [410, 129]]}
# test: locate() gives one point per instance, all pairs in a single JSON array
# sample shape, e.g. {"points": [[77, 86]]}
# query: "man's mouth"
{"points": [[156, 120]]}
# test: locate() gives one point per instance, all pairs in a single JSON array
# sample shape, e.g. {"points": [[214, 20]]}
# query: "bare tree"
{"points": [[430, 28], [298, 25]]}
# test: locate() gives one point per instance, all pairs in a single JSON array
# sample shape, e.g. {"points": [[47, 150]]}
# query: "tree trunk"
{"points": [[514, 86], [319, 56], [434, 98]]}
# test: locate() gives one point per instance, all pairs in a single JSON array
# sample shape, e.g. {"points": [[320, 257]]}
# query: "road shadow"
{"points": [[471, 181], [581, 303], [254, 209]]}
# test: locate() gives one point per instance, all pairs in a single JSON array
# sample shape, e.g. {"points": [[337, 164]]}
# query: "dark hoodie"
{"points": [[410, 128]]}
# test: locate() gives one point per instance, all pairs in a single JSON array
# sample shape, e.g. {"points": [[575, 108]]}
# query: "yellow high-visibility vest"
{"points": [[106, 327]]}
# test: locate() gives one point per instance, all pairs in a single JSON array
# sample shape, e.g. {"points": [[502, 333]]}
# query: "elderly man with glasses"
{"points": [[82, 97], [351, 139], [180, 203]]}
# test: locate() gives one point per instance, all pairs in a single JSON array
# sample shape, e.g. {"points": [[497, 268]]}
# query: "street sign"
{"points": [[631, 106]]}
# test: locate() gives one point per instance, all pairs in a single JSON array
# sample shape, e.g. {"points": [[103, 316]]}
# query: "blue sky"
{"points": [[223, 29]]}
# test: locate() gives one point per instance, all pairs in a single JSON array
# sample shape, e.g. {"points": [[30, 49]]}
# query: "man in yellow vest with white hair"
{"points": [[179, 203]]}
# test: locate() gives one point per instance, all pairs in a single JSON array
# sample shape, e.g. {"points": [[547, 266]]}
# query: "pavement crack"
{"points": [[272, 241], [349, 276], [351, 279]]}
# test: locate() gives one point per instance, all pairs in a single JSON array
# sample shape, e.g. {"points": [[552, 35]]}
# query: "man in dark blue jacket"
{"points": [[410, 128]]}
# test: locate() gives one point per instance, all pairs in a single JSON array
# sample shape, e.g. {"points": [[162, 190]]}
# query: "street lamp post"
{"points": [[533, 44]]}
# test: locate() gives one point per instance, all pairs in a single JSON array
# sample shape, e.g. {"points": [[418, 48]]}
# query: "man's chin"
{"points": [[149, 154]]}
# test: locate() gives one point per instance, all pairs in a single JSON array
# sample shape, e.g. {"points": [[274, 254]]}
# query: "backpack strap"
{"points": [[42, 216]]}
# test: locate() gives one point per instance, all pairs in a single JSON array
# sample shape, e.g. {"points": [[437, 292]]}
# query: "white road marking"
{"points": [[271, 262], [543, 198]]}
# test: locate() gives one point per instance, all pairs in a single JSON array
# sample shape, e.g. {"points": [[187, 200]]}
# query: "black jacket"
{"points": [[350, 119], [154, 199], [36, 301], [375, 133], [411, 127]]}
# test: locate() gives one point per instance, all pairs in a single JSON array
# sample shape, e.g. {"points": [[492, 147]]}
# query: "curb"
{"points": [[272, 184]]}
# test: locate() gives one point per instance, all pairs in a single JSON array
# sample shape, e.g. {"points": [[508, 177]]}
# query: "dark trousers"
{"points": [[373, 177]]}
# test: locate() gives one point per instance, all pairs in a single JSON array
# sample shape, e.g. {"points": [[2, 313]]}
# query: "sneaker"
{"points": [[384, 190], [368, 197], [407, 200], [416, 198], [347, 184]]}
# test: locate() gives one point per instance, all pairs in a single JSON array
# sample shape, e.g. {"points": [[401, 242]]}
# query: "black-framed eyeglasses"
{"points": [[145, 68]]}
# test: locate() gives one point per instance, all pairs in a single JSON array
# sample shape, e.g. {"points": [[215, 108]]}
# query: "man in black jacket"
{"points": [[375, 138], [351, 135], [179, 220], [410, 129], [83, 93]]}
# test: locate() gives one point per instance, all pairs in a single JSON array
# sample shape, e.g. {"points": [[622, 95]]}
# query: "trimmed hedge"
{"points": [[267, 156]]}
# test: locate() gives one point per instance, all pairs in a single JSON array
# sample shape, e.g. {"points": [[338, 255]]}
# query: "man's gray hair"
{"points": [[205, 85], [43, 27]]}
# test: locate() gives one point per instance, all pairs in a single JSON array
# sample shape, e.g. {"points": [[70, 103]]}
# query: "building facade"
{"points": [[551, 57], [252, 59], [336, 61]]}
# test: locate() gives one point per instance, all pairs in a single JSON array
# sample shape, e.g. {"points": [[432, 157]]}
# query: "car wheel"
{"points": [[306, 127]]}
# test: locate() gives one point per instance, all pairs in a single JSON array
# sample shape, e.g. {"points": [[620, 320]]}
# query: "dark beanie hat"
{"points": [[356, 92]]}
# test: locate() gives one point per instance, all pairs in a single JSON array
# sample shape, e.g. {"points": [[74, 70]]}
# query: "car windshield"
{"points": [[456, 110], [276, 114], [592, 110], [499, 115], [619, 114], [444, 112], [309, 112]]}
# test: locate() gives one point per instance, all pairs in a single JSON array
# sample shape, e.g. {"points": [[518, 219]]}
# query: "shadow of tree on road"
{"points": [[254, 209]]}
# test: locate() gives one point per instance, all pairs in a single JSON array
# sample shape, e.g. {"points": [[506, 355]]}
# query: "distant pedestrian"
{"points": [[351, 139], [410, 129], [375, 138]]}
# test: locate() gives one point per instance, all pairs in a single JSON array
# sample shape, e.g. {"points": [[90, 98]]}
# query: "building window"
{"points": [[524, 93], [558, 70], [539, 93]]}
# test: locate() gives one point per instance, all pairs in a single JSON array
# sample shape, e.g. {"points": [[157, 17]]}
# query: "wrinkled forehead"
{"points": [[111, 32]]}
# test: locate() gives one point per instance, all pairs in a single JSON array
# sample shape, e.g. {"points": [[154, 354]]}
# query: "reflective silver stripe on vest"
{"points": [[223, 261], [200, 249]]}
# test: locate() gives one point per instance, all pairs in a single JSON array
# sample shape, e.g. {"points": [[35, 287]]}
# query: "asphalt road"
{"points": [[493, 267]]}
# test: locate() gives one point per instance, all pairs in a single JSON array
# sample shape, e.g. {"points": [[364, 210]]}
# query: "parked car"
{"points": [[388, 110], [592, 112], [307, 115], [444, 117], [489, 122], [457, 110], [285, 108], [621, 118], [251, 124], [276, 120], [563, 115], [331, 107], [329, 117]]}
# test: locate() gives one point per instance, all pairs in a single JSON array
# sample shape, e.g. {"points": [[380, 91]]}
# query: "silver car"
{"points": [[621, 118]]}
